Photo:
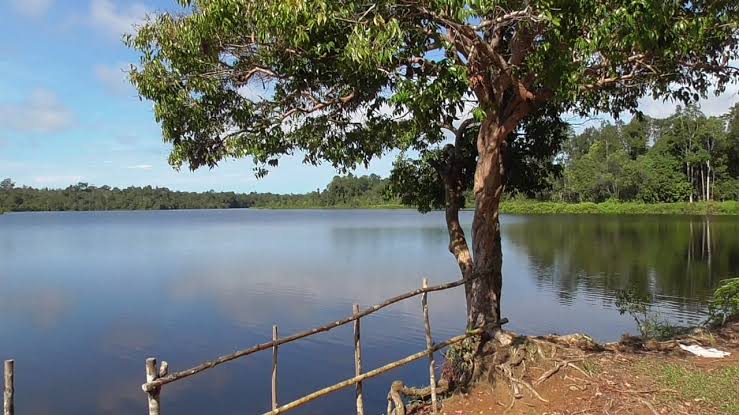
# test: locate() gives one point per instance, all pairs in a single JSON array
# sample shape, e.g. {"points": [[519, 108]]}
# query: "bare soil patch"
{"points": [[567, 375]]}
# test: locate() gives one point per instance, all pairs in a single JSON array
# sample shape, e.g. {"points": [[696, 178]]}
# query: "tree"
{"points": [[7, 185], [345, 81]]}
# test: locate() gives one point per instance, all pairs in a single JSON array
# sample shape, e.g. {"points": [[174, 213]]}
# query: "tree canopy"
{"points": [[345, 81], [341, 191], [458, 82]]}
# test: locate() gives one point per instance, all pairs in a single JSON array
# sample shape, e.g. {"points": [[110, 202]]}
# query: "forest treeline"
{"points": [[683, 158], [343, 191], [83, 196]]}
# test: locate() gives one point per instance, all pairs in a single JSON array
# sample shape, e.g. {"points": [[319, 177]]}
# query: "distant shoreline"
{"points": [[514, 207], [532, 207]]}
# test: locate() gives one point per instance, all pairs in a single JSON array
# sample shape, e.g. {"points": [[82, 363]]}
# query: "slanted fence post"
{"points": [[275, 336], [358, 361], [9, 394], [153, 395], [429, 345]]}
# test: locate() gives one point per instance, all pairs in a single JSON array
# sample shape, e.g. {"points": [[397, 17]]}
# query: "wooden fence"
{"points": [[9, 389], [156, 379]]}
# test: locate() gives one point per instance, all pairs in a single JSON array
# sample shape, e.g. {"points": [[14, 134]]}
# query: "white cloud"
{"points": [[41, 112], [113, 78], [140, 167], [713, 105], [56, 179], [32, 8], [116, 20]]}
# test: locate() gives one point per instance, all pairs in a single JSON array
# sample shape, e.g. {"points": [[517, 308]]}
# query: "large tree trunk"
{"points": [[483, 294], [483, 269]]}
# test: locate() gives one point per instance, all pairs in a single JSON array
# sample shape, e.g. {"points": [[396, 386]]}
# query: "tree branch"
{"points": [[318, 104]]}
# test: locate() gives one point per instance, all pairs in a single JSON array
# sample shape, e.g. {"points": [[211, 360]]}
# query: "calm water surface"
{"points": [[86, 297]]}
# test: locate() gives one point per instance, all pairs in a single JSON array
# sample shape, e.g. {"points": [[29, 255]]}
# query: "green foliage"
{"points": [[662, 179], [639, 307], [342, 192], [691, 158], [725, 302], [86, 197], [459, 362], [417, 183]]}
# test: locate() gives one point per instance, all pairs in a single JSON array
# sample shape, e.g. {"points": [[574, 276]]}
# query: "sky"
{"points": [[68, 114]]}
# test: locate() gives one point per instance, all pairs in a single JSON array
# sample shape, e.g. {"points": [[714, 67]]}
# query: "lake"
{"points": [[86, 297]]}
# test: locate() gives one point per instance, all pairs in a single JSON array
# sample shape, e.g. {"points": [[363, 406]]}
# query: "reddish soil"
{"points": [[618, 380]]}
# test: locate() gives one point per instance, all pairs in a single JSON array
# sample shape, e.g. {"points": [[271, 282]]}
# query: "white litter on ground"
{"points": [[704, 351]]}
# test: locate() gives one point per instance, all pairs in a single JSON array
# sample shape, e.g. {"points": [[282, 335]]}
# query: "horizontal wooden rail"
{"points": [[372, 373], [152, 385]]}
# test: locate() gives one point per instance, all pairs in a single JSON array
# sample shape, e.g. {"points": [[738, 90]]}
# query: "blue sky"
{"points": [[68, 115]]}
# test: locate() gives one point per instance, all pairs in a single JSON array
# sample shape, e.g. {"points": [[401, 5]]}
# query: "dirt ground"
{"points": [[629, 377]]}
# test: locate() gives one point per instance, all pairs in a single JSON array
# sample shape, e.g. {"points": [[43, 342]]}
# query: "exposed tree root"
{"points": [[525, 363], [398, 391], [509, 358], [562, 370]]}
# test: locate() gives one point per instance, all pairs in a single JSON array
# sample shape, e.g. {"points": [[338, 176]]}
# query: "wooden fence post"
{"points": [[153, 396], [358, 361], [429, 345], [9, 394], [274, 368]]}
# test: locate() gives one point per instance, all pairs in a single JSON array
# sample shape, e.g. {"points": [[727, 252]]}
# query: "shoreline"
{"points": [[510, 207], [531, 207]]}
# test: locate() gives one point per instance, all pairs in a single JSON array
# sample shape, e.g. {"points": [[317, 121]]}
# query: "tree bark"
{"points": [[483, 294], [482, 267], [454, 186], [708, 179]]}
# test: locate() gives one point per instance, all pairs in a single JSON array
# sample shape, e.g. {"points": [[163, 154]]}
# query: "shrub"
{"points": [[651, 324], [725, 302]]}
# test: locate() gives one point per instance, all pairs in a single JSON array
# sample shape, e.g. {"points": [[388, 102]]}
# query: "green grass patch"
{"points": [[531, 207], [591, 367], [719, 388]]}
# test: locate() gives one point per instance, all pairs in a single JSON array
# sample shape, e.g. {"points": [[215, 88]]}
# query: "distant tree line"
{"points": [[342, 191], [83, 196]]}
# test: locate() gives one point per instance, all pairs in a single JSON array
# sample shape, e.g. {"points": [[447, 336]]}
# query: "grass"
{"points": [[531, 207], [593, 368], [719, 387]]}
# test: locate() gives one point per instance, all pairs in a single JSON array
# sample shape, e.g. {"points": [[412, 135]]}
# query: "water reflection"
{"points": [[44, 307], [86, 297], [678, 259]]}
